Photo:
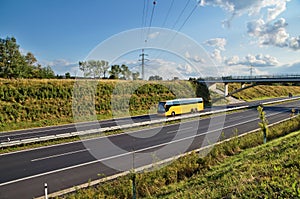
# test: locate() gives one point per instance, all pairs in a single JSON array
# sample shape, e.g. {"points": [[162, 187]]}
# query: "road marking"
{"points": [[127, 153], [58, 155]]}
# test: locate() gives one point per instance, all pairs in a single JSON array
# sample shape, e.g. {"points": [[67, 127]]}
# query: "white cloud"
{"points": [[216, 55], [240, 70], [194, 58], [168, 69], [185, 68], [269, 34], [153, 35], [278, 7], [273, 34], [294, 43], [250, 7], [251, 60], [61, 66], [217, 42], [293, 68], [232, 61], [198, 59], [23, 51]]}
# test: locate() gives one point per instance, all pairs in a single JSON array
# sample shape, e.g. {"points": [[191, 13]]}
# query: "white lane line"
{"points": [[58, 155], [127, 153]]}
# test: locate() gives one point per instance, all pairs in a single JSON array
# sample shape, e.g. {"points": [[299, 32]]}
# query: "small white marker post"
{"points": [[46, 191]]}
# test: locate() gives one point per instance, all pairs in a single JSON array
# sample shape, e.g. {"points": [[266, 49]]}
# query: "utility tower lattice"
{"points": [[251, 70], [143, 63]]}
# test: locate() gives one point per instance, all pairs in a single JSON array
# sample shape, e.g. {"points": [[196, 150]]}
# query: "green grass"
{"points": [[239, 168], [266, 171], [264, 91], [36, 103]]}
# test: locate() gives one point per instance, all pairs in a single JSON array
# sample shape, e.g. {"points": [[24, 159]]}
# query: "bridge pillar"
{"points": [[212, 86], [226, 90]]}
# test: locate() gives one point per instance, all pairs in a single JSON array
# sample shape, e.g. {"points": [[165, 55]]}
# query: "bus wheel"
{"points": [[196, 110], [173, 113], [192, 111]]}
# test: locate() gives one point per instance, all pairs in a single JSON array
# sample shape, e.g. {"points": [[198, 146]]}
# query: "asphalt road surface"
{"points": [[23, 174], [68, 128]]}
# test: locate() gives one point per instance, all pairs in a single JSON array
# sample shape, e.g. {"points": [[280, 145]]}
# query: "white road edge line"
{"points": [[58, 155], [127, 153], [74, 188], [216, 111]]}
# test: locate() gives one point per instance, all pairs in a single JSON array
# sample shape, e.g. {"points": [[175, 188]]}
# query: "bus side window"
{"points": [[175, 103], [167, 107]]}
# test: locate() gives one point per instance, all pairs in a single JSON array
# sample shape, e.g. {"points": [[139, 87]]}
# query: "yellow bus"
{"points": [[180, 106]]}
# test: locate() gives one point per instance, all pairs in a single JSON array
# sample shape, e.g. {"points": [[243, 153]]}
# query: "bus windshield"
{"points": [[161, 107]]}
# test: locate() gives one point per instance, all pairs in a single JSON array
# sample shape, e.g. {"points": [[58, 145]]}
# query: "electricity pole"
{"points": [[143, 63], [251, 70]]}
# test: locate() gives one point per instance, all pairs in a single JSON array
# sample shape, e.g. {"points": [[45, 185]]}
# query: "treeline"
{"points": [[100, 68], [15, 65]]}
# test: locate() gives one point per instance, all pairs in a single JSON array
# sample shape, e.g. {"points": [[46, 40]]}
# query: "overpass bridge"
{"points": [[249, 81]]}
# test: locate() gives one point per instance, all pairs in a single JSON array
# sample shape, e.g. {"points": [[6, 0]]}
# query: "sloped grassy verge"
{"points": [[239, 168], [27, 103], [264, 91], [266, 171]]}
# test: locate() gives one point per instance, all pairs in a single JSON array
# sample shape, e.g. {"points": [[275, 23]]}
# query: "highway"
{"points": [[24, 173], [68, 128]]}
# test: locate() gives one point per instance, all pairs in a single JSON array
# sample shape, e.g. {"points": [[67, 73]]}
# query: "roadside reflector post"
{"points": [[46, 191]]}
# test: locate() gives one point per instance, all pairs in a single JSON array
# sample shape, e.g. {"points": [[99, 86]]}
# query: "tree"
{"points": [[15, 65], [68, 75], [12, 63], [105, 67], [115, 72], [47, 72], [135, 75], [156, 77], [30, 59], [264, 122], [94, 68], [83, 66], [125, 72]]}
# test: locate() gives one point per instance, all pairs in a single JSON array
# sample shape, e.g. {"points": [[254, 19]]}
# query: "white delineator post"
{"points": [[226, 90], [46, 191]]}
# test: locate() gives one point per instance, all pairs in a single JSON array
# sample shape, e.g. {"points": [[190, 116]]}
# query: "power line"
{"points": [[151, 18], [168, 13], [188, 17], [185, 21], [142, 55], [146, 12], [180, 15], [143, 16]]}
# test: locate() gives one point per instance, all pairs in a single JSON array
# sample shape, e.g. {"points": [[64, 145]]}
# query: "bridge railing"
{"points": [[292, 76]]}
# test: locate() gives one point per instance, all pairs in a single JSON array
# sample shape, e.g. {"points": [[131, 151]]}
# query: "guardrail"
{"points": [[126, 126]]}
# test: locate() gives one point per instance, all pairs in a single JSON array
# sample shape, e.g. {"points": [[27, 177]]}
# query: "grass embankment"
{"points": [[35, 103], [238, 168], [264, 91]]}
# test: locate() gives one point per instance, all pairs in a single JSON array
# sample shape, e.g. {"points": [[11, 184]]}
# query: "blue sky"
{"points": [[234, 33]]}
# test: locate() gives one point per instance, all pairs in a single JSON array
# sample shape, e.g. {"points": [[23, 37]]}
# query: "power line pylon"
{"points": [[143, 63], [251, 70]]}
